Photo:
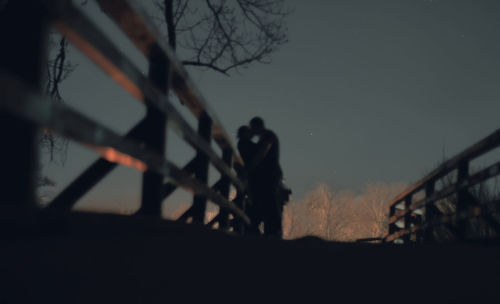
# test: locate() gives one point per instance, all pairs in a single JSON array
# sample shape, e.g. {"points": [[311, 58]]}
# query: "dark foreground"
{"points": [[97, 258]]}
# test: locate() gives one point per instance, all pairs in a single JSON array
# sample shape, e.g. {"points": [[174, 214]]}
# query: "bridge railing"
{"points": [[414, 214], [24, 109]]}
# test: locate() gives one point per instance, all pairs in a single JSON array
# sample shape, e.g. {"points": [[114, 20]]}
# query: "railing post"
{"points": [[23, 30], [227, 157], [407, 219], [430, 211], [462, 195], [201, 173], [418, 220], [246, 201], [155, 134], [239, 224], [392, 212]]}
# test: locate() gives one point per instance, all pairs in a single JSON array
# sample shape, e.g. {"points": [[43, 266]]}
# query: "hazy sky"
{"points": [[364, 91]]}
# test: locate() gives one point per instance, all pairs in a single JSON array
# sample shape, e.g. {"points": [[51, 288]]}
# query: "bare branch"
{"points": [[206, 65], [57, 70], [180, 11], [225, 35]]}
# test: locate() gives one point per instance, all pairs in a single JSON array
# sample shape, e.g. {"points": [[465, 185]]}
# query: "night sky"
{"points": [[364, 91]]}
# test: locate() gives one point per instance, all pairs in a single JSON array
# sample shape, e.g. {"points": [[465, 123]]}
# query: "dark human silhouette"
{"points": [[246, 147], [265, 176], [248, 150]]}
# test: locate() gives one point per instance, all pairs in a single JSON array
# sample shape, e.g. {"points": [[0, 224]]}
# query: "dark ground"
{"points": [[100, 258]]}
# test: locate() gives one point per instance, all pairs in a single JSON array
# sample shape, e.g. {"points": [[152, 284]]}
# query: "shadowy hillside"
{"points": [[102, 258]]}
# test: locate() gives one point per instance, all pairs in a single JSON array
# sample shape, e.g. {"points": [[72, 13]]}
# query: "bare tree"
{"points": [[322, 213], [214, 34], [294, 220], [327, 212], [341, 215], [318, 206], [374, 204], [58, 68], [484, 226], [223, 35], [341, 224]]}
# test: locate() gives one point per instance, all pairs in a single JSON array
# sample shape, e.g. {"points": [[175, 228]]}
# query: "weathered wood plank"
{"points": [[86, 35], [110, 145]]}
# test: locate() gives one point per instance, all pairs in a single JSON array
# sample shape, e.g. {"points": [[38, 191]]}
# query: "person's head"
{"points": [[257, 125], [244, 132]]}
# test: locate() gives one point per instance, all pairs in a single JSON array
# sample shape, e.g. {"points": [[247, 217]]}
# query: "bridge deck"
{"points": [[102, 258]]}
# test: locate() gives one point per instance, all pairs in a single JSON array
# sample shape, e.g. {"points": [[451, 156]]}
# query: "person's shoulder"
{"points": [[270, 135]]}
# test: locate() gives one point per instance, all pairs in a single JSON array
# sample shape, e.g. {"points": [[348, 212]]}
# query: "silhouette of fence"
{"points": [[413, 219], [24, 110]]}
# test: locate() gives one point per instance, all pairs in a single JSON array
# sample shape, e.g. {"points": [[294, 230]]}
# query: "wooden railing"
{"points": [[413, 219], [24, 109]]}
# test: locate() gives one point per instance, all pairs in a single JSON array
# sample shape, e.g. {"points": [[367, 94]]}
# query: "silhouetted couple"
{"points": [[263, 175]]}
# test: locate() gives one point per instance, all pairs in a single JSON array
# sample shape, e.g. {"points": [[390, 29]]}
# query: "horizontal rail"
{"points": [[483, 209], [475, 179], [88, 178], [490, 142], [169, 187], [134, 22], [402, 209], [189, 212], [111, 146], [85, 35]]}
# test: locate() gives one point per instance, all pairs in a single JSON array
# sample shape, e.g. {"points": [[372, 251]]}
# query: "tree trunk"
{"points": [[169, 19]]}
